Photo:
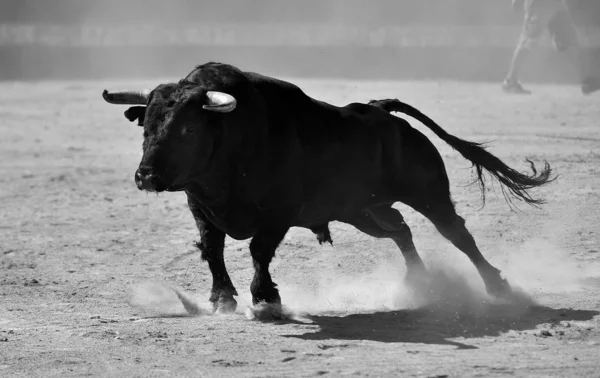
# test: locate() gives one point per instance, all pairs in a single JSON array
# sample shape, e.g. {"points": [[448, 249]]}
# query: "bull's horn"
{"points": [[220, 102], [127, 97]]}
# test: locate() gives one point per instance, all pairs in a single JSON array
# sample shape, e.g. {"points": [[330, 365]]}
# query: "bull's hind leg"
{"points": [[387, 222], [452, 227], [211, 245]]}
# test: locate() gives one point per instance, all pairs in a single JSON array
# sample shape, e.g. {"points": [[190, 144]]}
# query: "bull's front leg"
{"points": [[211, 245], [262, 248]]}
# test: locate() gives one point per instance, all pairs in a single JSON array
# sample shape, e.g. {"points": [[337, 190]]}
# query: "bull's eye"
{"points": [[145, 134], [189, 130]]}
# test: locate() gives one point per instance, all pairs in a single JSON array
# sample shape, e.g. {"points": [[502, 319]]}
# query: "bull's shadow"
{"points": [[435, 325]]}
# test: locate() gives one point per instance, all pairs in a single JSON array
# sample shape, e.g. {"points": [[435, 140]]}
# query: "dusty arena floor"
{"points": [[87, 260]]}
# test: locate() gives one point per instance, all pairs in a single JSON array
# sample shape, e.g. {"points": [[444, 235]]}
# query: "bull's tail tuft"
{"points": [[514, 184]]}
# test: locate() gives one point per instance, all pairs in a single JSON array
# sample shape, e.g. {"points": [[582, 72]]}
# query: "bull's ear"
{"points": [[136, 112]]}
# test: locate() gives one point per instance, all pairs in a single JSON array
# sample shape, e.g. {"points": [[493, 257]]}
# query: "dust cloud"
{"points": [[541, 266], [537, 267], [162, 298], [447, 288], [452, 286]]}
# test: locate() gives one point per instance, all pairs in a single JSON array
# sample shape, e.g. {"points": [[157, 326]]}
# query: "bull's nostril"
{"points": [[150, 179], [139, 180], [145, 179], [144, 170]]}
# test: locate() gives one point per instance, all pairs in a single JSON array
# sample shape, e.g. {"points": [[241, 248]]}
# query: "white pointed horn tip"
{"points": [[220, 102]]}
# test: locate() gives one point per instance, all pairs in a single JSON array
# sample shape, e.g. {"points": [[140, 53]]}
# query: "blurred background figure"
{"points": [[557, 17]]}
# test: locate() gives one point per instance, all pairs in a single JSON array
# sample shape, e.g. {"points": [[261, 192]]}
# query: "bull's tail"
{"points": [[518, 184]]}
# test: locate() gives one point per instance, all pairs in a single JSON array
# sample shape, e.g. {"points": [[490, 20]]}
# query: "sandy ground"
{"points": [[80, 244]]}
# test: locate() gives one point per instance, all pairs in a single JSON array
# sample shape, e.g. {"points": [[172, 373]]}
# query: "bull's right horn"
{"points": [[220, 102], [127, 97]]}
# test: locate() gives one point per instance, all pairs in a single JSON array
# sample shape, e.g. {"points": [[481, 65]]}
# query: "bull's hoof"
{"points": [[499, 288], [495, 285], [224, 305], [266, 294], [273, 299]]}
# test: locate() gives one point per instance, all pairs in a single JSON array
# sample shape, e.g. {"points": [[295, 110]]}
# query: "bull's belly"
{"points": [[319, 212], [336, 199], [238, 222]]}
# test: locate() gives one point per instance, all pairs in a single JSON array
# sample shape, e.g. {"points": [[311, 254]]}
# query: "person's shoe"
{"points": [[514, 87], [590, 85]]}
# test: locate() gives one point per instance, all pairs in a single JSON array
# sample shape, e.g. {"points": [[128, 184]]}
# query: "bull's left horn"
{"points": [[127, 97], [220, 102]]}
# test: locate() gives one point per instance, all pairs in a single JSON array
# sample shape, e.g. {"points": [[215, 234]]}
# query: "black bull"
{"points": [[256, 156]]}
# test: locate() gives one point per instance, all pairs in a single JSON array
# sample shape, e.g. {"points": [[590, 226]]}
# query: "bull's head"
{"points": [[179, 131]]}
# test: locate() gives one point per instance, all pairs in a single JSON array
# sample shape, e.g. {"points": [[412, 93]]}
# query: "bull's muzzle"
{"points": [[147, 180]]}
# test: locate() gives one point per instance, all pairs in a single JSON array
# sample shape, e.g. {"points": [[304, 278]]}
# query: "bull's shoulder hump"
{"points": [[258, 79], [279, 90]]}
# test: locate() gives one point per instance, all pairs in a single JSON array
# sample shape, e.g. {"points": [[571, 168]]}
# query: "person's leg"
{"points": [[536, 16], [573, 40], [511, 83], [580, 57], [588, 61]]}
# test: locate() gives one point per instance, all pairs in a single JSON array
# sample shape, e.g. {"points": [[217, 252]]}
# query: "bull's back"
{"points": [[338, 155], [372, 155], [345, 155]]}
